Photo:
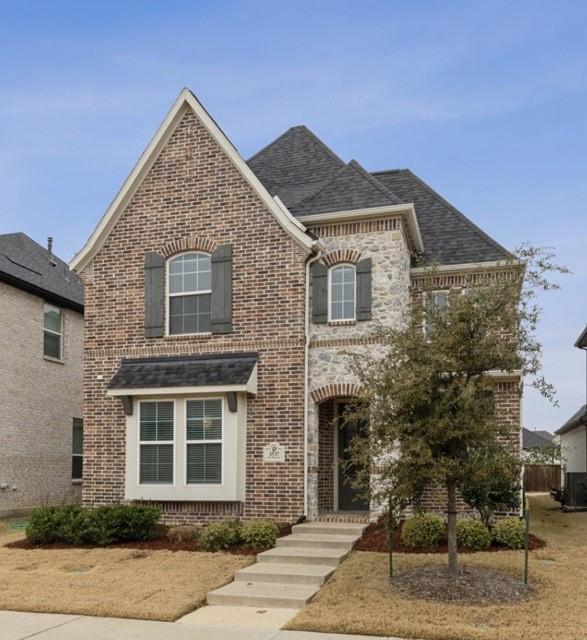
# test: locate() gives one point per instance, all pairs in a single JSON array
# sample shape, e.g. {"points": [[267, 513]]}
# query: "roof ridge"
{"points": [[270, 144], [381, 187], [313, 195], [461, 215]]}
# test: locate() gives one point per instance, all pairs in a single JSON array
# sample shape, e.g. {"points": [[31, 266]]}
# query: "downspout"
{"points": [[309, 263]]}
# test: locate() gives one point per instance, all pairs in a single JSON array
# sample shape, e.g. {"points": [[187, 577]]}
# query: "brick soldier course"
{"points": [[289, 217]]}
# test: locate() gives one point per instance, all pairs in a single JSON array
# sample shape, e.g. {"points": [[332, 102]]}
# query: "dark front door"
{"points": [[348, 497]]}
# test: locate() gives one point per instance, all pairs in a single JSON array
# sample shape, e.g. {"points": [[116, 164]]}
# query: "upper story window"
{"points": [[342, 289], [189, 288], [52, 331]]}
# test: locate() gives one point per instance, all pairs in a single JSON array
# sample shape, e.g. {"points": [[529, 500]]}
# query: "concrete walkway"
{"points": [[52, 626]]}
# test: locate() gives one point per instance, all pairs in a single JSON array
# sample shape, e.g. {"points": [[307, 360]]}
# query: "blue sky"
{"points": [[487, 101]]}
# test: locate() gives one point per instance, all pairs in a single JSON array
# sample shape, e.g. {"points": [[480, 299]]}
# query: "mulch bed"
{"points": [[161, 543], [376, 538], [474, 585]]}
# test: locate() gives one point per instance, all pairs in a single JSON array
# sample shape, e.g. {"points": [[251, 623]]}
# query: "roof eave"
{"points": [[45, 294], [582, 340], [186, 100], [406, 211]]}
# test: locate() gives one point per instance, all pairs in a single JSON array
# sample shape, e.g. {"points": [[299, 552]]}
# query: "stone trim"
{"points": [[456, 280], [341, 255], [359, 226], [347, 342], [336, 390], [189, 243]]}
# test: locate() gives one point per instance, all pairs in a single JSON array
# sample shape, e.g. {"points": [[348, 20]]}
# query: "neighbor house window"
{"points": [[52, 331], [77, 449], [156, 442], [342, 292], [189, 287], [204, 441]]}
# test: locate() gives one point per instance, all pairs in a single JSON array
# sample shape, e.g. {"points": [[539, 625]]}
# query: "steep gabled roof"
{"points": [[581, 342], [184, 102], [350, 188], [295, 166], [449, 236], [29, 266]]}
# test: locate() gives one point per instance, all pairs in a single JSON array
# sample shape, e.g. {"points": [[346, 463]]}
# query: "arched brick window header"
{"points": [[192, 243], [341, 255], [338, 390]]}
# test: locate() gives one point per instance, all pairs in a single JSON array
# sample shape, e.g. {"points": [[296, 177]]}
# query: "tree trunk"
{"points": [[453, 569]]}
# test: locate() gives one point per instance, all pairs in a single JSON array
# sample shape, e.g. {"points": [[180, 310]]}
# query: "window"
{"points": [[437, 301], [204, 441], [342, 292], [77, 449], [52, 331], [189, 287], [156, 442]]}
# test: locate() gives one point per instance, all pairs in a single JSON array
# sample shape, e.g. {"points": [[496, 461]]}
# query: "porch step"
{"points": [[317, 541], [257, 594], [315, 574], [301, 555], [328, 528]]}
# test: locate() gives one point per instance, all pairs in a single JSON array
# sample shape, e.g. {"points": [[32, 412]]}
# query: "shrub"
{"points": [[510, 532], [184, 533], [220, 535], [472, 534], [101, 526], [260, 534], [425, 530]]}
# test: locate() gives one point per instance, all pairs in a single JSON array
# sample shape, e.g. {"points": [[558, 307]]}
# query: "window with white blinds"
{"points": [[156, 442], [204, 441]]}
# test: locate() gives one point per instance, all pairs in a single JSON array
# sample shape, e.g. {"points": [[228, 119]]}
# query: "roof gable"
{"points": [[449, 237], [27, 265], [184, 102], [534, 439]]}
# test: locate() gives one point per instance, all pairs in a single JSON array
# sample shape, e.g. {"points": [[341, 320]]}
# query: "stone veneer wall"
{"points": [[191, 196], [39, 399], [331, 344]]}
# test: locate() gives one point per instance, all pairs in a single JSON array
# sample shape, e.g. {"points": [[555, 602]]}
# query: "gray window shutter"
{"points": [[154, 292], [319, 293], [364, 289], [222, 289]]}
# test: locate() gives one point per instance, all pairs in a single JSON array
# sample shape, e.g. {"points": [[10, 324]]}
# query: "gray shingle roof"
{"points": [[309, 178], [582, 340], [534, 439], [576, 420], [449, 237], [27, 265], [184, 371]]}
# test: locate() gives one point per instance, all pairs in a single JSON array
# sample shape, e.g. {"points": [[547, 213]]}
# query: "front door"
{"points": [[348, 497]]}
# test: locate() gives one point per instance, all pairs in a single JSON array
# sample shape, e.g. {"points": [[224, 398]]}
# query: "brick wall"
{"points": [[326, 456], [194, 191], [39, 400]]}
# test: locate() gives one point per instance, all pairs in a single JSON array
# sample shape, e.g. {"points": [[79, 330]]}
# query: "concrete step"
{"points": [[263, 595], [336, 528], [315, 574], [297, 555], [317, 541]]}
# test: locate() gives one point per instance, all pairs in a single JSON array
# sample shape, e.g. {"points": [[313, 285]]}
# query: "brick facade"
{"points": [[194, 198], [39, 399]]}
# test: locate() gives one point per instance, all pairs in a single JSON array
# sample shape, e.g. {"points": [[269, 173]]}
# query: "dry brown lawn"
{"points": [[124, 583], [357, 599]]}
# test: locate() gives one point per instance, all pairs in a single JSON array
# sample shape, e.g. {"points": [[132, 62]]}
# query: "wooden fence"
{"points": [[542, 477]]}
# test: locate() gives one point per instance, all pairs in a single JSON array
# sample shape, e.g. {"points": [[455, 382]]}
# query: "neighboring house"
{"points": [[41, 332], [221, 296], [540, 447]]}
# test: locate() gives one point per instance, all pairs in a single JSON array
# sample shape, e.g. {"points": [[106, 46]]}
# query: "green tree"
{"points": [[429, 399]]}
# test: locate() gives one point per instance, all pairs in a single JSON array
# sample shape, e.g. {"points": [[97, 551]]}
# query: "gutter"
{"points": [[309, 262]]}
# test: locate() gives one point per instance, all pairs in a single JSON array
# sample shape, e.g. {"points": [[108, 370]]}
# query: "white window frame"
{"points": [[188, 442], [55, 333], [330, 270], [169, 295], [146, 442]]}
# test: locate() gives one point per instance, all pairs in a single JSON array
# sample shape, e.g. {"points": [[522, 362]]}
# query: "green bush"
{"points": [[260, 534], [101, 526], [183, 533], [472, 534], [510, 532], [425, 530], [220, 535]]}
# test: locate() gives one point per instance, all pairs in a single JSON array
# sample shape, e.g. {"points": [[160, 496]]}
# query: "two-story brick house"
{"points": [[41, 373], [220, 295]]}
